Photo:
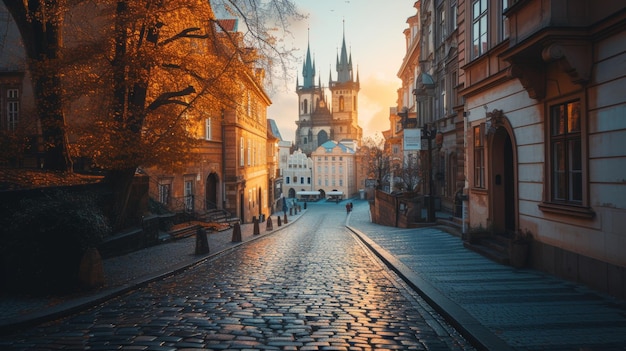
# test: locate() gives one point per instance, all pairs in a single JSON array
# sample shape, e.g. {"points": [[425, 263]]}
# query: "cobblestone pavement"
{"points": [[311, 286]]}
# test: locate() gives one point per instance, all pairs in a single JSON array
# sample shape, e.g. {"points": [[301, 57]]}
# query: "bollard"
{"points": [[305, 205], [290, 212], [278, 220], [285, 220], [256, 230], [269, 225], [202, 244], [236, 233]]}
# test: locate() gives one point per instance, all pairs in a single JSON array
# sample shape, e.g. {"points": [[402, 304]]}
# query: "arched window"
{"points": [[342, 104], [305, 106]]}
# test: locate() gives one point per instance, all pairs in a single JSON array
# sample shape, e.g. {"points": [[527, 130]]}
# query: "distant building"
{"points": [[298, 175], [334, 171]]}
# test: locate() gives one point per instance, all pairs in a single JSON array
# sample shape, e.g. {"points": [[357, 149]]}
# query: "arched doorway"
{"points": [[322, 137], [212, 182], [503, 179]]}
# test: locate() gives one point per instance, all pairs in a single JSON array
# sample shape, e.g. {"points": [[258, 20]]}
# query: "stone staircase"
{"points": [[492, 246], [219, 216]]}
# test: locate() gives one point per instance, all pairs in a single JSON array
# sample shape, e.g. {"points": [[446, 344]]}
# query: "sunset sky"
{"points": [[374, 36]]}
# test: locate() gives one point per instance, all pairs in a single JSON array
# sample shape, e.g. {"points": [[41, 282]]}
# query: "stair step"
{"points": [[493, 254], [184, 231]]}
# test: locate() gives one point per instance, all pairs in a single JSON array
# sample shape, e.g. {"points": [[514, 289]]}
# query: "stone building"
{"points": [[523, 99], [542, 85]]}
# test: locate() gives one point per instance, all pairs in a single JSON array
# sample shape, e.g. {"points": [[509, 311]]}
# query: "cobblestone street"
{"points": [[311, 286]]}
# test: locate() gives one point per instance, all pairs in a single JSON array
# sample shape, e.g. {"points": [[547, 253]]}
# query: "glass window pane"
{"points": [[560, 186], [573, 112], [558, 159], [558, 120], [576, 185], [575, 160]]}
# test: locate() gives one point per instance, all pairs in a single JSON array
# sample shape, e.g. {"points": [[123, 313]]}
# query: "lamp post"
{"points": [[430, 134]]}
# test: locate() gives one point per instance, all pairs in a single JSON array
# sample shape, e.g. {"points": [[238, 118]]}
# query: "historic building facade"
{"points": [[521, 103], [320, 120], [334, 171], [542, 83]]}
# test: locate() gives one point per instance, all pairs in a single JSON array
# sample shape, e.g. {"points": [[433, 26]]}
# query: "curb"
{"points": [[477, 334]]}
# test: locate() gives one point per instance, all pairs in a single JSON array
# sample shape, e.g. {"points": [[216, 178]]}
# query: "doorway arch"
{"points": [[212, 181], [503, 180], [322, 137]]}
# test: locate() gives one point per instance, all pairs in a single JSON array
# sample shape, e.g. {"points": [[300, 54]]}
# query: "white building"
{"points": [[298, 174]]}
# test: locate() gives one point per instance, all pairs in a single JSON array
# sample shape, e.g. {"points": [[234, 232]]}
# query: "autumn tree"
{"points": [[144, 72]]}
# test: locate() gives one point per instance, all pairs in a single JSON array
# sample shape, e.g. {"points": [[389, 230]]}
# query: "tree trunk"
{"points": [[121, 182]]}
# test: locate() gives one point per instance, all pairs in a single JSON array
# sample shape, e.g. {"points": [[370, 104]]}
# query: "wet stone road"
{"points": [[311, 286]]}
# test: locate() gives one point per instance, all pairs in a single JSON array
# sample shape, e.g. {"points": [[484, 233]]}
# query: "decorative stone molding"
{"points": [[574, 59], [495, 120], [531, 76]]}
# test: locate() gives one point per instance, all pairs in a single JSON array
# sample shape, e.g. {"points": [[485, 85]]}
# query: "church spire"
{"points": [[344, 63], [308, 69]]}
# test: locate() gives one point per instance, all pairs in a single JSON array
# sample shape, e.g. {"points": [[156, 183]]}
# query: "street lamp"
{"points": [[430, 134]]}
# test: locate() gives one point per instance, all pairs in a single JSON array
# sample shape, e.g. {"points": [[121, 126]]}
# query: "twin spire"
{"points": [[343, 66]]}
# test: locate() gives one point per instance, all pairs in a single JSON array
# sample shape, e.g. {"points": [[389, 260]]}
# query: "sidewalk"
{"points": [[124, 273], [496, 306]]}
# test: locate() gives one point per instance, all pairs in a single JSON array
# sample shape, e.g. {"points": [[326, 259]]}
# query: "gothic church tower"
{"points": [[317, 123], [345, 98]]}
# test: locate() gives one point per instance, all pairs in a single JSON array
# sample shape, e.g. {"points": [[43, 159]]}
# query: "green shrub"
{"points": [[45, 238]]}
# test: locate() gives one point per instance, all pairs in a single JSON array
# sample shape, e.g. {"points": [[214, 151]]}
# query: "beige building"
{"points": [[334, 170]]}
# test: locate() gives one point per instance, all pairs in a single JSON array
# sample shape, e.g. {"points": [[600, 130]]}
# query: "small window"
{"points": [[208, 133], [479, 156], [242, 153], [13, 108]]}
